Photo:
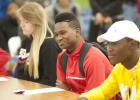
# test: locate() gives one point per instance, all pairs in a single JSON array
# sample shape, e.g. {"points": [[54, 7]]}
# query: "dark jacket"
{"points": [[47, 62], [8, 29], [107, 7]]}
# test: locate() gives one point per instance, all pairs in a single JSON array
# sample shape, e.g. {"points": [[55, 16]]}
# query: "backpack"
{"points": [[83, 52]]}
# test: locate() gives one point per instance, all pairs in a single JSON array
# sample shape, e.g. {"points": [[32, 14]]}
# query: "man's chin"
{"points": [[113, 62], [62, 47]]}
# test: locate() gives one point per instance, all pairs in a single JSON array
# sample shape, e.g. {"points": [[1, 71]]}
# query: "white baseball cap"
{"points": [[120, 30]]}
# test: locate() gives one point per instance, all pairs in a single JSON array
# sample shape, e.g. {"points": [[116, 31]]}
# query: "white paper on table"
{"points": [[44, 90], [3, 79]]}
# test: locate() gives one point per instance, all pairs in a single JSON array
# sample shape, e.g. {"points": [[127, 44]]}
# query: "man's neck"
{"points": [[131, 61], [73, 47]]}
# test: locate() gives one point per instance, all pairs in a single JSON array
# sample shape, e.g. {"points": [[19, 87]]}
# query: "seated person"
{"points": [[96, 66], [123, 41], [38, 54]]}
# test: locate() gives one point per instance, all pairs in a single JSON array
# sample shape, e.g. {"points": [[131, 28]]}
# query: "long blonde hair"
{"points": [[35, 14]]}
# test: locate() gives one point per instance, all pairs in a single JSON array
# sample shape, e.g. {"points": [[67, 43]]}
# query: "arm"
{"points": [[61, 76], [107, 90], [96, 67], [19, 71], [4, 57]]}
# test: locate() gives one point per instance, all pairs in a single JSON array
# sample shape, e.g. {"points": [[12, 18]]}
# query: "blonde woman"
{"points": [[38, 53]]}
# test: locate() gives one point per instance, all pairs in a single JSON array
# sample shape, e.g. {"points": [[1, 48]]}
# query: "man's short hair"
{"points": [[68, 17]]}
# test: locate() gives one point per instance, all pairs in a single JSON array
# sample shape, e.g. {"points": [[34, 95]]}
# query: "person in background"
{"points": [[9, 26], [4, 58], [61, 6], [104, 13], [130, 9], [95, 65], [3, 7], [38, 53], [123, 41]]}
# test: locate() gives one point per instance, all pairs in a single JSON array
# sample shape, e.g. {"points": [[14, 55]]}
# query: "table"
{"points": [[7, 88]]}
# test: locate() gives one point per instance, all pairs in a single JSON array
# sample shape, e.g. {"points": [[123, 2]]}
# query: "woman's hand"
{"points": [[23, 55]]}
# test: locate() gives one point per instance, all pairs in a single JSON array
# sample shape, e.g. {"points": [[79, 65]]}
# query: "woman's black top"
{"points": [[47, 62]]}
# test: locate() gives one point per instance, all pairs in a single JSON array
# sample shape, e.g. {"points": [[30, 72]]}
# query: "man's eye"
{"points": [[112, 43], [62, 33]]}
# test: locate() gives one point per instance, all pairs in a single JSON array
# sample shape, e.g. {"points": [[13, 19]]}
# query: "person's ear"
{"points": [[133, 44], [78, 32]]}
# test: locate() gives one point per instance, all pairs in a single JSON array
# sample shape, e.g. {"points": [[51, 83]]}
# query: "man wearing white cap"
{"points": [[123, 41]]}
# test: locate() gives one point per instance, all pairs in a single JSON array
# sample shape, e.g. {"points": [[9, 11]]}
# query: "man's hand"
{"points": [[82, 98], [62, 85]]}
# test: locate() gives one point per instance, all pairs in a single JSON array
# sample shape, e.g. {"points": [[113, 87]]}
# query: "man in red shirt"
{"points": [[95, 65], [4, 57]]}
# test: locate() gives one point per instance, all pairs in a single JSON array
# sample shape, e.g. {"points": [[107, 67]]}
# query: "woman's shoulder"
{"points": [[49, 46], [49, 41]]}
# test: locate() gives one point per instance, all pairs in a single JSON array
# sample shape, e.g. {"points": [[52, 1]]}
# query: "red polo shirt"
{"points": [[96, 69]]}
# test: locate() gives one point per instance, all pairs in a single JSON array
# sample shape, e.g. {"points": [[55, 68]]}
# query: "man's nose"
{"points": [[59, 38], [109, 48]]}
